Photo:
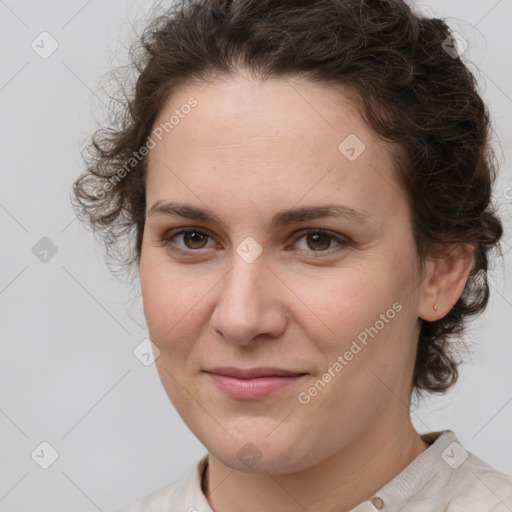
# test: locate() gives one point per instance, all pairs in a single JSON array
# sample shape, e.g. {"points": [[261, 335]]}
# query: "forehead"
{"points": [[231, 110], [281, 139]]}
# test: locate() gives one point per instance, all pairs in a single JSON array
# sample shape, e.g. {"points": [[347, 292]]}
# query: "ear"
{"points": [[444, 281]]}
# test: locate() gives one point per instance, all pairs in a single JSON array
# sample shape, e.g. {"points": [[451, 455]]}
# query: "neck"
{"points": [[348, 477]]}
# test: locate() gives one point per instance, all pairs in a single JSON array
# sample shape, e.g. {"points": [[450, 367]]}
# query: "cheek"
{"points": [[173, 303], [363, 316], [347, 301], [158, 297]]}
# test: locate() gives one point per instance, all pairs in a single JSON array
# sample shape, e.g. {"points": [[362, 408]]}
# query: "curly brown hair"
{"points": [[407, 86]]}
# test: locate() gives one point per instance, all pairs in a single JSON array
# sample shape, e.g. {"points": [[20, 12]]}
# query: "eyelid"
{"points": [[312, 231]]}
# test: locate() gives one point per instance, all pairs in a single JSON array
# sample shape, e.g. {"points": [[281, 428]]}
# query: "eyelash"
{"points": [[165, 240]]}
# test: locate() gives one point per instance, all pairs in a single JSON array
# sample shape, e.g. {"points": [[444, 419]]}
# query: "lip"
{"points": [[253, 383], [250, 373]]}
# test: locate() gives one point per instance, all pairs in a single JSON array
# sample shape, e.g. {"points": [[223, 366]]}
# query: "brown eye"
{"points": [[320, 241], [192, 240], [195, 239]]}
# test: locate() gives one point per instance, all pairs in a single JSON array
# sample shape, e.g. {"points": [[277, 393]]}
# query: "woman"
{"points": [[308, 186]]}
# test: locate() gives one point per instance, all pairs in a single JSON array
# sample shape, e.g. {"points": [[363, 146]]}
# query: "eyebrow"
{"points": [[282, 218]]}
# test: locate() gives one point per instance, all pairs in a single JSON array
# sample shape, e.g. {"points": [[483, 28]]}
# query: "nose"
{"points": [[250, 303]]}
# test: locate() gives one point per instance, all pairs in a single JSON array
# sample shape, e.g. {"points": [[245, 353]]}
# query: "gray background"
{"points": [[68, 327]]}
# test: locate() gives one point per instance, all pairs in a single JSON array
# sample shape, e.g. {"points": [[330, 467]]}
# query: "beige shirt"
{"points": [[443, 478]]}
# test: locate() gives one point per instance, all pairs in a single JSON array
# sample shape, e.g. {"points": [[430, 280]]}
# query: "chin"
{"points": [[261, 452]]}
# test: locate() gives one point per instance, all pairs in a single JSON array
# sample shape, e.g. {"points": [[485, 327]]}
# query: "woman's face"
{"points": [[248, 287]]}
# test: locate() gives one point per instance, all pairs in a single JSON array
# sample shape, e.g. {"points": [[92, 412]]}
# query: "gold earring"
{"points": [[435, 307]]}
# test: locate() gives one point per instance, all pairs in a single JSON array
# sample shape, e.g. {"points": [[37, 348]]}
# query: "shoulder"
{"points": [[446, 477], [184, 495], [463, 481], [157, 501], [477, 486]]}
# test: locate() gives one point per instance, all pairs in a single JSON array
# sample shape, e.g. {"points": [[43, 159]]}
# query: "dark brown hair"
{"points": [[408, 87]]}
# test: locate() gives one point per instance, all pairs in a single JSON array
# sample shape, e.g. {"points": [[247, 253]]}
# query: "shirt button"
{"points": [[378, 503]]}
